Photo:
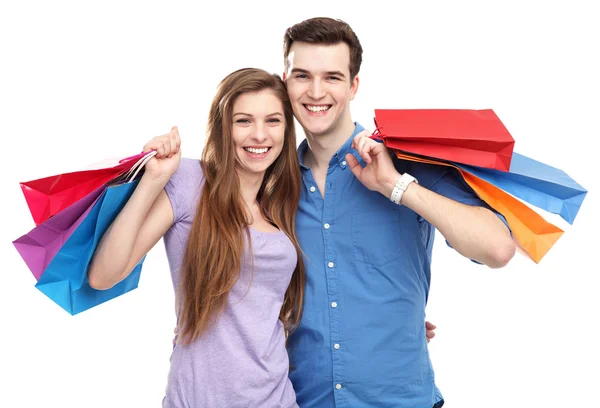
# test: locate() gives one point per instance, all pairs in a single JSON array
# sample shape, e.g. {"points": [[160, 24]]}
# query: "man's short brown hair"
{"points": [[327, 31]]}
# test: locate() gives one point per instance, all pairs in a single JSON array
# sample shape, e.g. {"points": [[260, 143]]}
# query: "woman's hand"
{"points": [[168, 154]]}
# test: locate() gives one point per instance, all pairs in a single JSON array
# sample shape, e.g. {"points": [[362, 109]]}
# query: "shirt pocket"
{"points": [[376, 237]]}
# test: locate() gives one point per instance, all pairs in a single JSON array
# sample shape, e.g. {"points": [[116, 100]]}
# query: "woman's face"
{"points": [[258, 130]]}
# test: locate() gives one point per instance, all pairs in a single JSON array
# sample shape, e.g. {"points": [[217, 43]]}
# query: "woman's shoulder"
{"points": [[189, 170], [184, 187]]}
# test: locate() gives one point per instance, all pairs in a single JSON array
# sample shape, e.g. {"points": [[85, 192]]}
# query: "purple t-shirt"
{"points": [[241, 361]]}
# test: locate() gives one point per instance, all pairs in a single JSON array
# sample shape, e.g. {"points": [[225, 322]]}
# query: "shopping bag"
{"points": [[39, 246], [473, 137], [48, 196], [538, 184], [535, 235], [65, 280]]}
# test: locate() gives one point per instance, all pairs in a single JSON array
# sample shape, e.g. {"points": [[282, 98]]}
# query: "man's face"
{"points": [[319, 85]]}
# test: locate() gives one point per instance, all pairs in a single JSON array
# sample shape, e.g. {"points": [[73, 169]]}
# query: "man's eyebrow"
{"points": [[329, 73], [336, 73], [300, 70]]}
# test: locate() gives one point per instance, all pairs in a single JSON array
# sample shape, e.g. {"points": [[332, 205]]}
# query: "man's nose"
{"points": [[316, 90]]}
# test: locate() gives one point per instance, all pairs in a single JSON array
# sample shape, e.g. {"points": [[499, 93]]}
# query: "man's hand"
{"points": [[379, 173], [430, 331]]}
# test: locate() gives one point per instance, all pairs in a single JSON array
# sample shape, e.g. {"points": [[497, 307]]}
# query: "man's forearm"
{"points": [[474, 232]]}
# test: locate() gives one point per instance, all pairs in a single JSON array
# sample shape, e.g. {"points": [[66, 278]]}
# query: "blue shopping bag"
{"points": [[537, 183], [65, 280]]}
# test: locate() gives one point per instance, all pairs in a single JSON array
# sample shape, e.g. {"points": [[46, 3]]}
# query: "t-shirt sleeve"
{"points": [[183, 189]]}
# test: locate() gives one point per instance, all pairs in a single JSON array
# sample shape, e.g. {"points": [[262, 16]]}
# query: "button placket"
{"points": [[310, 189], [333, 283]]}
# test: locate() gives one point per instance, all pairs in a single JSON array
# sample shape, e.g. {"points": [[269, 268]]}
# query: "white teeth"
{"points": [[256, 151], [317, 108]]}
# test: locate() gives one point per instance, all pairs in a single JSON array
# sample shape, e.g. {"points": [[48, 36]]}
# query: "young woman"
{"points": [[228, 223]]}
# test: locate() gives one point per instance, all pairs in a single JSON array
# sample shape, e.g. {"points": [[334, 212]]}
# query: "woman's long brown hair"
{"points": [[212, 260]]}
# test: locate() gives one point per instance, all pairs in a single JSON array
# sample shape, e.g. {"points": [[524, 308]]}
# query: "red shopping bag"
{"points": [[475, 137], [48, 196]]}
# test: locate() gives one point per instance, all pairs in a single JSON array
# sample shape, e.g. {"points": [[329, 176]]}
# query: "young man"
{"points": [[366, 224]]}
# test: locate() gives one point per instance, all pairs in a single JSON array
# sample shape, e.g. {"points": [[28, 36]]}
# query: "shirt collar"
{"points": [[340, 156]]}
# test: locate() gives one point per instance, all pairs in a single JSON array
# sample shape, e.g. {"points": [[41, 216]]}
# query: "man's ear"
{"points": [[354, 87], [284, 76]]}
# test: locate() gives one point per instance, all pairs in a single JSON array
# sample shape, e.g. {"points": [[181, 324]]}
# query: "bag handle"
{"points": [[140, 164]]}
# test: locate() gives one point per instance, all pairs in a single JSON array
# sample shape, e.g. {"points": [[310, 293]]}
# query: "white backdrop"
{"points": [[82, 82]]}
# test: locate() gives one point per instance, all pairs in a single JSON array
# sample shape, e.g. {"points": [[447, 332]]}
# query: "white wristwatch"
{"points": [[401, 186]]}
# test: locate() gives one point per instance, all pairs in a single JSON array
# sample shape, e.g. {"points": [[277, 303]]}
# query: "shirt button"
{"points": [[313, 189], [330, 264], [336, 346], [333, 304], [344, 163], [338, 386], [326, 226]]}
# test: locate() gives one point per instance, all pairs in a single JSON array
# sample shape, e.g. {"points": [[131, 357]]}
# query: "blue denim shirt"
{"points": [[361, 341]]}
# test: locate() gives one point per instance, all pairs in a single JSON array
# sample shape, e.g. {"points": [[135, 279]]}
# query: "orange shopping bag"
{"points": [[534, 234]]}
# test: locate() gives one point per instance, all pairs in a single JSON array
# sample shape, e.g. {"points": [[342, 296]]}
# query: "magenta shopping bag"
{"points": [[39, 246]]}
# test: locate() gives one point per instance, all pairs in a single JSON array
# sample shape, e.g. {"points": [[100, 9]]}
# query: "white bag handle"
{"points": [[130, 174], [140, 164]]}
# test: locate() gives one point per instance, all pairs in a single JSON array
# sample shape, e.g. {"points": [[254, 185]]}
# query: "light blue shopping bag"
{"points": [[65, 280], [539, 184]]}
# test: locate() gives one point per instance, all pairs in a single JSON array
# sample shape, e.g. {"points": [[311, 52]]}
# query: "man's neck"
{"points": [[322, 147]]}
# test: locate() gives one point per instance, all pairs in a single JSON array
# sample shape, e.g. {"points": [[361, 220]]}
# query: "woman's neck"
{"points": [[249, 187]]}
